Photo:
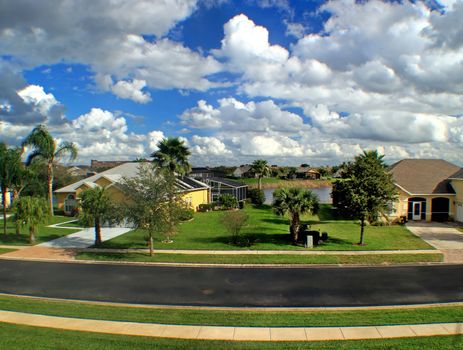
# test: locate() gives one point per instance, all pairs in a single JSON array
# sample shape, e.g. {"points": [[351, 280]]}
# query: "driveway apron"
{"points": [[441, 236]]}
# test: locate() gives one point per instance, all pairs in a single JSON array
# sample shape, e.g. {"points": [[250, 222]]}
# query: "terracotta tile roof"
{"points": [[424, 176]]}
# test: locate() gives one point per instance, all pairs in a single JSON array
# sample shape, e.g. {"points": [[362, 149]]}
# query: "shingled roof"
{"points": [[129, 170], [425, 176]]}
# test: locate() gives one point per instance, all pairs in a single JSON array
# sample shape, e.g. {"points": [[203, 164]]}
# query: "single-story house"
{"points": [[194, 192], [201, 173], [220, 186], [243, 171], [428, 189], [307, 173]]}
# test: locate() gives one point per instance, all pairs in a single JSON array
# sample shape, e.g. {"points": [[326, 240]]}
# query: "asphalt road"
{"points": [[234, 286]]}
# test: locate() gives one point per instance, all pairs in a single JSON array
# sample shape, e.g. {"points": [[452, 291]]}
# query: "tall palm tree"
{"points": [[44, 146], [294, 202], [261, 168], [10, 166], [172, 154], [31, 211], [96, 209]]}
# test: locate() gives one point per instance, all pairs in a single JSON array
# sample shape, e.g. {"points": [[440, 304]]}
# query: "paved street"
{"points": [[234, 286]]}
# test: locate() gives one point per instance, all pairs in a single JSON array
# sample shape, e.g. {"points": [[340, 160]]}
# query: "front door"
{"points": [[416, 211]]}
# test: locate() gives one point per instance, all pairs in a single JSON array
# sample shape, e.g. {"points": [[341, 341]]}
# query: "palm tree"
{"points": [[45, 147], [31, 211], [261, 168], [10, 167], [294, 201], [172, 154], [96, 209]]}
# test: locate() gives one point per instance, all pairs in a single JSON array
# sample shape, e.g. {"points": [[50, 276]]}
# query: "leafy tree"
{"points": [[154, 202], [294, 202], [261, 168], [234, 221], [97, 208], [365, 190], [10, 168], [45, 147], [172, 154], [227, 201], [291, 173], [257, 196], [31, 211]]}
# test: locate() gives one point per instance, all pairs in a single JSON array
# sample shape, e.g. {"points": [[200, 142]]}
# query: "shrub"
{"points": [[186, 214], [257, 196], [234, 222], [228, 201], [204, 207]]}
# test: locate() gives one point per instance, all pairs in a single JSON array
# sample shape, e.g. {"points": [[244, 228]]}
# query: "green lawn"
{"points": [[14, 337], [375, 259], [230, 317], [266, 231], [44, 233]]}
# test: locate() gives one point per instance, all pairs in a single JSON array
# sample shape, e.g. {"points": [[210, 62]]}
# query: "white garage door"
{"points": [[459, 216]]}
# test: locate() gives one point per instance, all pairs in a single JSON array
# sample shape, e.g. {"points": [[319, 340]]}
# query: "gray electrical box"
{"points": [[309, 243]]}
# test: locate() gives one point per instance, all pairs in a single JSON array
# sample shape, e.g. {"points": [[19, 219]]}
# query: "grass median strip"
{"points": [[264, 259], [229, 317], [14, 337]]}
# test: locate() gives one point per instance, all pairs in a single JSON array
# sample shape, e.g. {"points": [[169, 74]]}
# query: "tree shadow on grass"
{"points": [[13, 238], [251, 238], [277, 221]]}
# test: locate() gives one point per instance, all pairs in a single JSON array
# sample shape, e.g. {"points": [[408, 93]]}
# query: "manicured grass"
{"points": [[44, 233], [14, 337], [266, 231], [230, 317], [265, 259], [6, 250]]}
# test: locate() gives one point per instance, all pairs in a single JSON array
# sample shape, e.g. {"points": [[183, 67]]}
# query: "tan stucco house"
{"points": [[194, 192], [428, 189]]}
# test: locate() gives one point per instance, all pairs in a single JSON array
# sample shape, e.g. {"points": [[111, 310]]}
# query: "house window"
{"points": [[69, 203]]}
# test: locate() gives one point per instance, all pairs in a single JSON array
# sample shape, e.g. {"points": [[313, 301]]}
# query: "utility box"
{"points": [[309, 243]]}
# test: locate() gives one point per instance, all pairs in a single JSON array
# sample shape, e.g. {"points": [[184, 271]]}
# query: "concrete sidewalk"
{"points": [[231, 333]]}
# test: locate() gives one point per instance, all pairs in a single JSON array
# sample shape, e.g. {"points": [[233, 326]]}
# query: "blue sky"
{"points": [[306, 81]]}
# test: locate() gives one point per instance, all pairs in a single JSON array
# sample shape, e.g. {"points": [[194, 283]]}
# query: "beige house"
{"points": [[194, 192], [429, 189]]}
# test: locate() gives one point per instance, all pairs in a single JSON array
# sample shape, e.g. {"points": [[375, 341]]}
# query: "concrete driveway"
{"points": [[444, 237], [85, 238]]}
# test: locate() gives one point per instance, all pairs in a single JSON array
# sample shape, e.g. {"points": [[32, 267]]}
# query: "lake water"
{"points": [[324, 194]]}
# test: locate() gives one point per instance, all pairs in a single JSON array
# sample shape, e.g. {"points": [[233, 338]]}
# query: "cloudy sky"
{"points": [[302, 81]]}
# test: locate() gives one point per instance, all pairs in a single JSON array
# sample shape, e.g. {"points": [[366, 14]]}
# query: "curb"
{"points": [[234, 308], [242, 266]]}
